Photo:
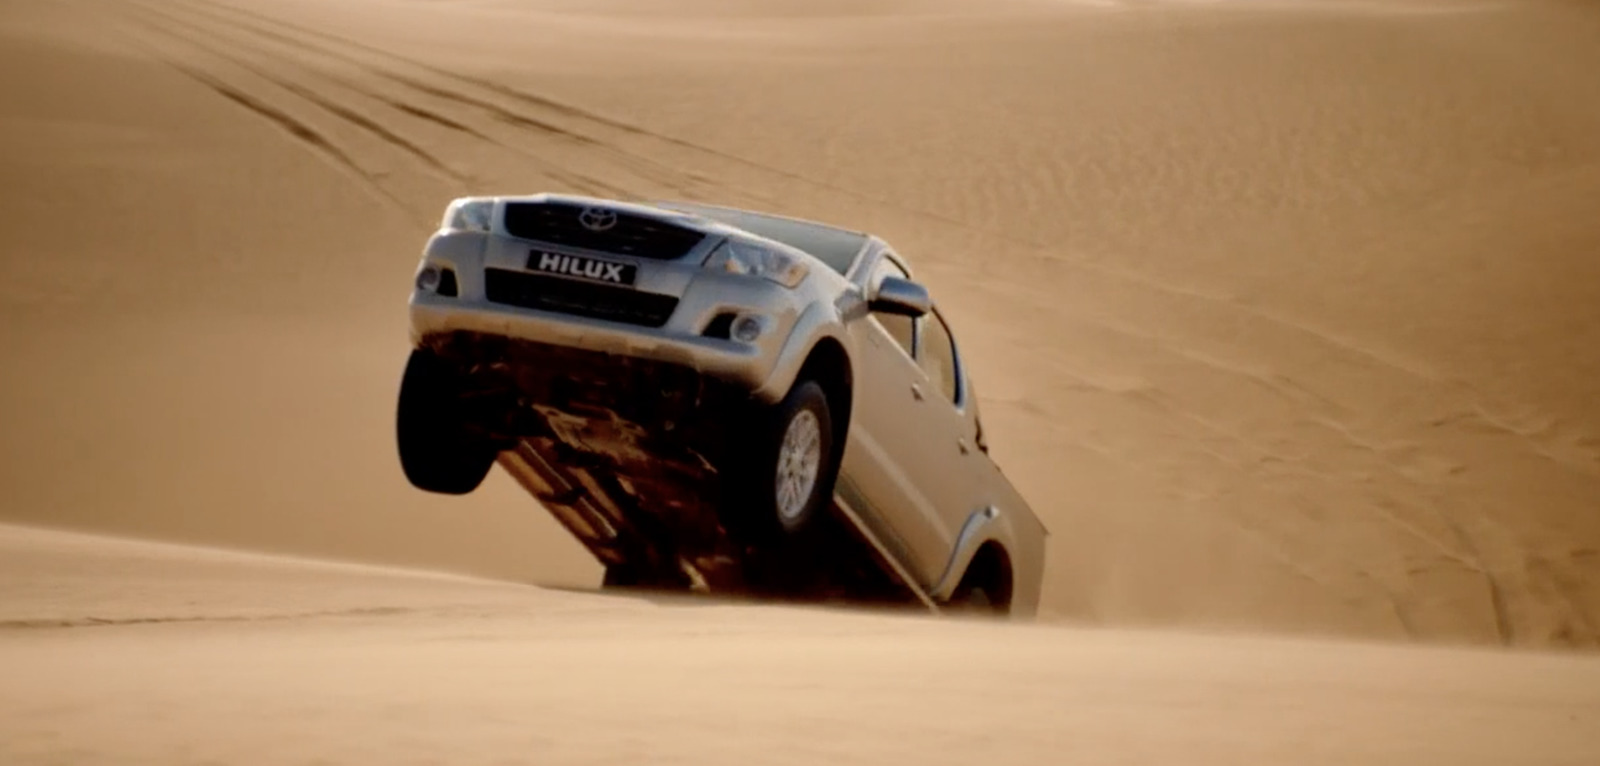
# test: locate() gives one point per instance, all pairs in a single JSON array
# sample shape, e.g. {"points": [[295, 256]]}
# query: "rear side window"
{"points": [[939, 357]]}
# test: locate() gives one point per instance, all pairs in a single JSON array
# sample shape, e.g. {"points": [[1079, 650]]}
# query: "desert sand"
{"points": [[138, 653], [1284, 315]]}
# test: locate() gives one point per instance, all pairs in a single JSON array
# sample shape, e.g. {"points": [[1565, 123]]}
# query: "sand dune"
{"points": [[118, 652], [1284, 315]]}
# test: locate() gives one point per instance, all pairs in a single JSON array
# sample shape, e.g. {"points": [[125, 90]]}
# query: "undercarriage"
{"points": [[634, 458]]}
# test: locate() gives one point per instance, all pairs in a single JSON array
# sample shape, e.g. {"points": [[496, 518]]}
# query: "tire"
{"points": [[437, 452], [985, 589], [627, 577], [975, 601], [786, 467], [621, 576]]}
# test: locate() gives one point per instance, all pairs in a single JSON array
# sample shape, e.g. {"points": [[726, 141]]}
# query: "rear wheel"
{"points": [[985, 589], [975, 600], [438, 452]]}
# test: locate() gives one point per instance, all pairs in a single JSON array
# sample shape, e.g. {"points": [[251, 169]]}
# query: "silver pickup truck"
{"points": [[712, 399]]}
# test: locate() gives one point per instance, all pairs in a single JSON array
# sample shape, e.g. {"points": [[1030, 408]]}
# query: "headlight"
{"points": [[757, 261], [468, 214]]}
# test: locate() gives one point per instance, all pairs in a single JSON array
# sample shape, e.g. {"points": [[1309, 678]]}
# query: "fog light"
{"points": [[747, 328], [428, 278]]}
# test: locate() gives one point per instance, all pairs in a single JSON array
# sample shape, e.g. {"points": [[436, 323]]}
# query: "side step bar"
{"points": [[881, 552], [607, 534]]}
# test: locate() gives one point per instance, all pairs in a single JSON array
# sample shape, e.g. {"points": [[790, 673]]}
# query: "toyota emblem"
{"points": [[597, 219]]}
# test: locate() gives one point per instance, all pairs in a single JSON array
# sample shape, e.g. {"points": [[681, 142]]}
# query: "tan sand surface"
{"points": [[1285, 316], [197, 656]]}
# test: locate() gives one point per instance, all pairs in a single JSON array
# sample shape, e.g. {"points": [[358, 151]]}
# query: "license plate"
{"points": [[583, 267]]}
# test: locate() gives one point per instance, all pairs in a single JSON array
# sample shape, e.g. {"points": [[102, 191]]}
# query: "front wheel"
{"points": [[437, 452], [785, 472], [805, 451]]}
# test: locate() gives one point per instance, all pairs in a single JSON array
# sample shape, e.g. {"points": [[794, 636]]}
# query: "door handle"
{"points": [[916, 392], [962, 443]]}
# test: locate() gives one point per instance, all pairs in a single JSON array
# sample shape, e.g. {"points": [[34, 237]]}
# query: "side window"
{"points": [[901, 328], [939, 357]]}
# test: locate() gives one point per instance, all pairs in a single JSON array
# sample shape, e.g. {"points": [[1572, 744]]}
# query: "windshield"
{"points": [[836, 247]]}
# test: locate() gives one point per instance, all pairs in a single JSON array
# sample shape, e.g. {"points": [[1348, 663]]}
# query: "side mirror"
{"points": [[901, 296]]}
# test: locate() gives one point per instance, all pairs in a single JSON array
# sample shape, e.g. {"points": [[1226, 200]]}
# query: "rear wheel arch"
{"points": [[988, 583]]}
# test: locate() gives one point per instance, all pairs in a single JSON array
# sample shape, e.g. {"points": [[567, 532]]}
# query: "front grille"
{"points": [[617, 304], [563, 224]]}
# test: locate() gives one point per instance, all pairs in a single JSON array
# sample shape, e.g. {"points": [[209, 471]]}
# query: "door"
{"points": [[903, 459], [949, 410]]}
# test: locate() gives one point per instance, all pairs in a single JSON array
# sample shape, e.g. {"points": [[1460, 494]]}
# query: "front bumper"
{"points": [[682, 340]]}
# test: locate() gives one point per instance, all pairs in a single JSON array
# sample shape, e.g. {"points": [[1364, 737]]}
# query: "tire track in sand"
{"points": [[327, 104], [591, 124], [295, 128], [646, 168]]}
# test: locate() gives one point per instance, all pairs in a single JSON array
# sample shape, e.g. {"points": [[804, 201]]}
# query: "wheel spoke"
{"points": [[799, 460]]}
